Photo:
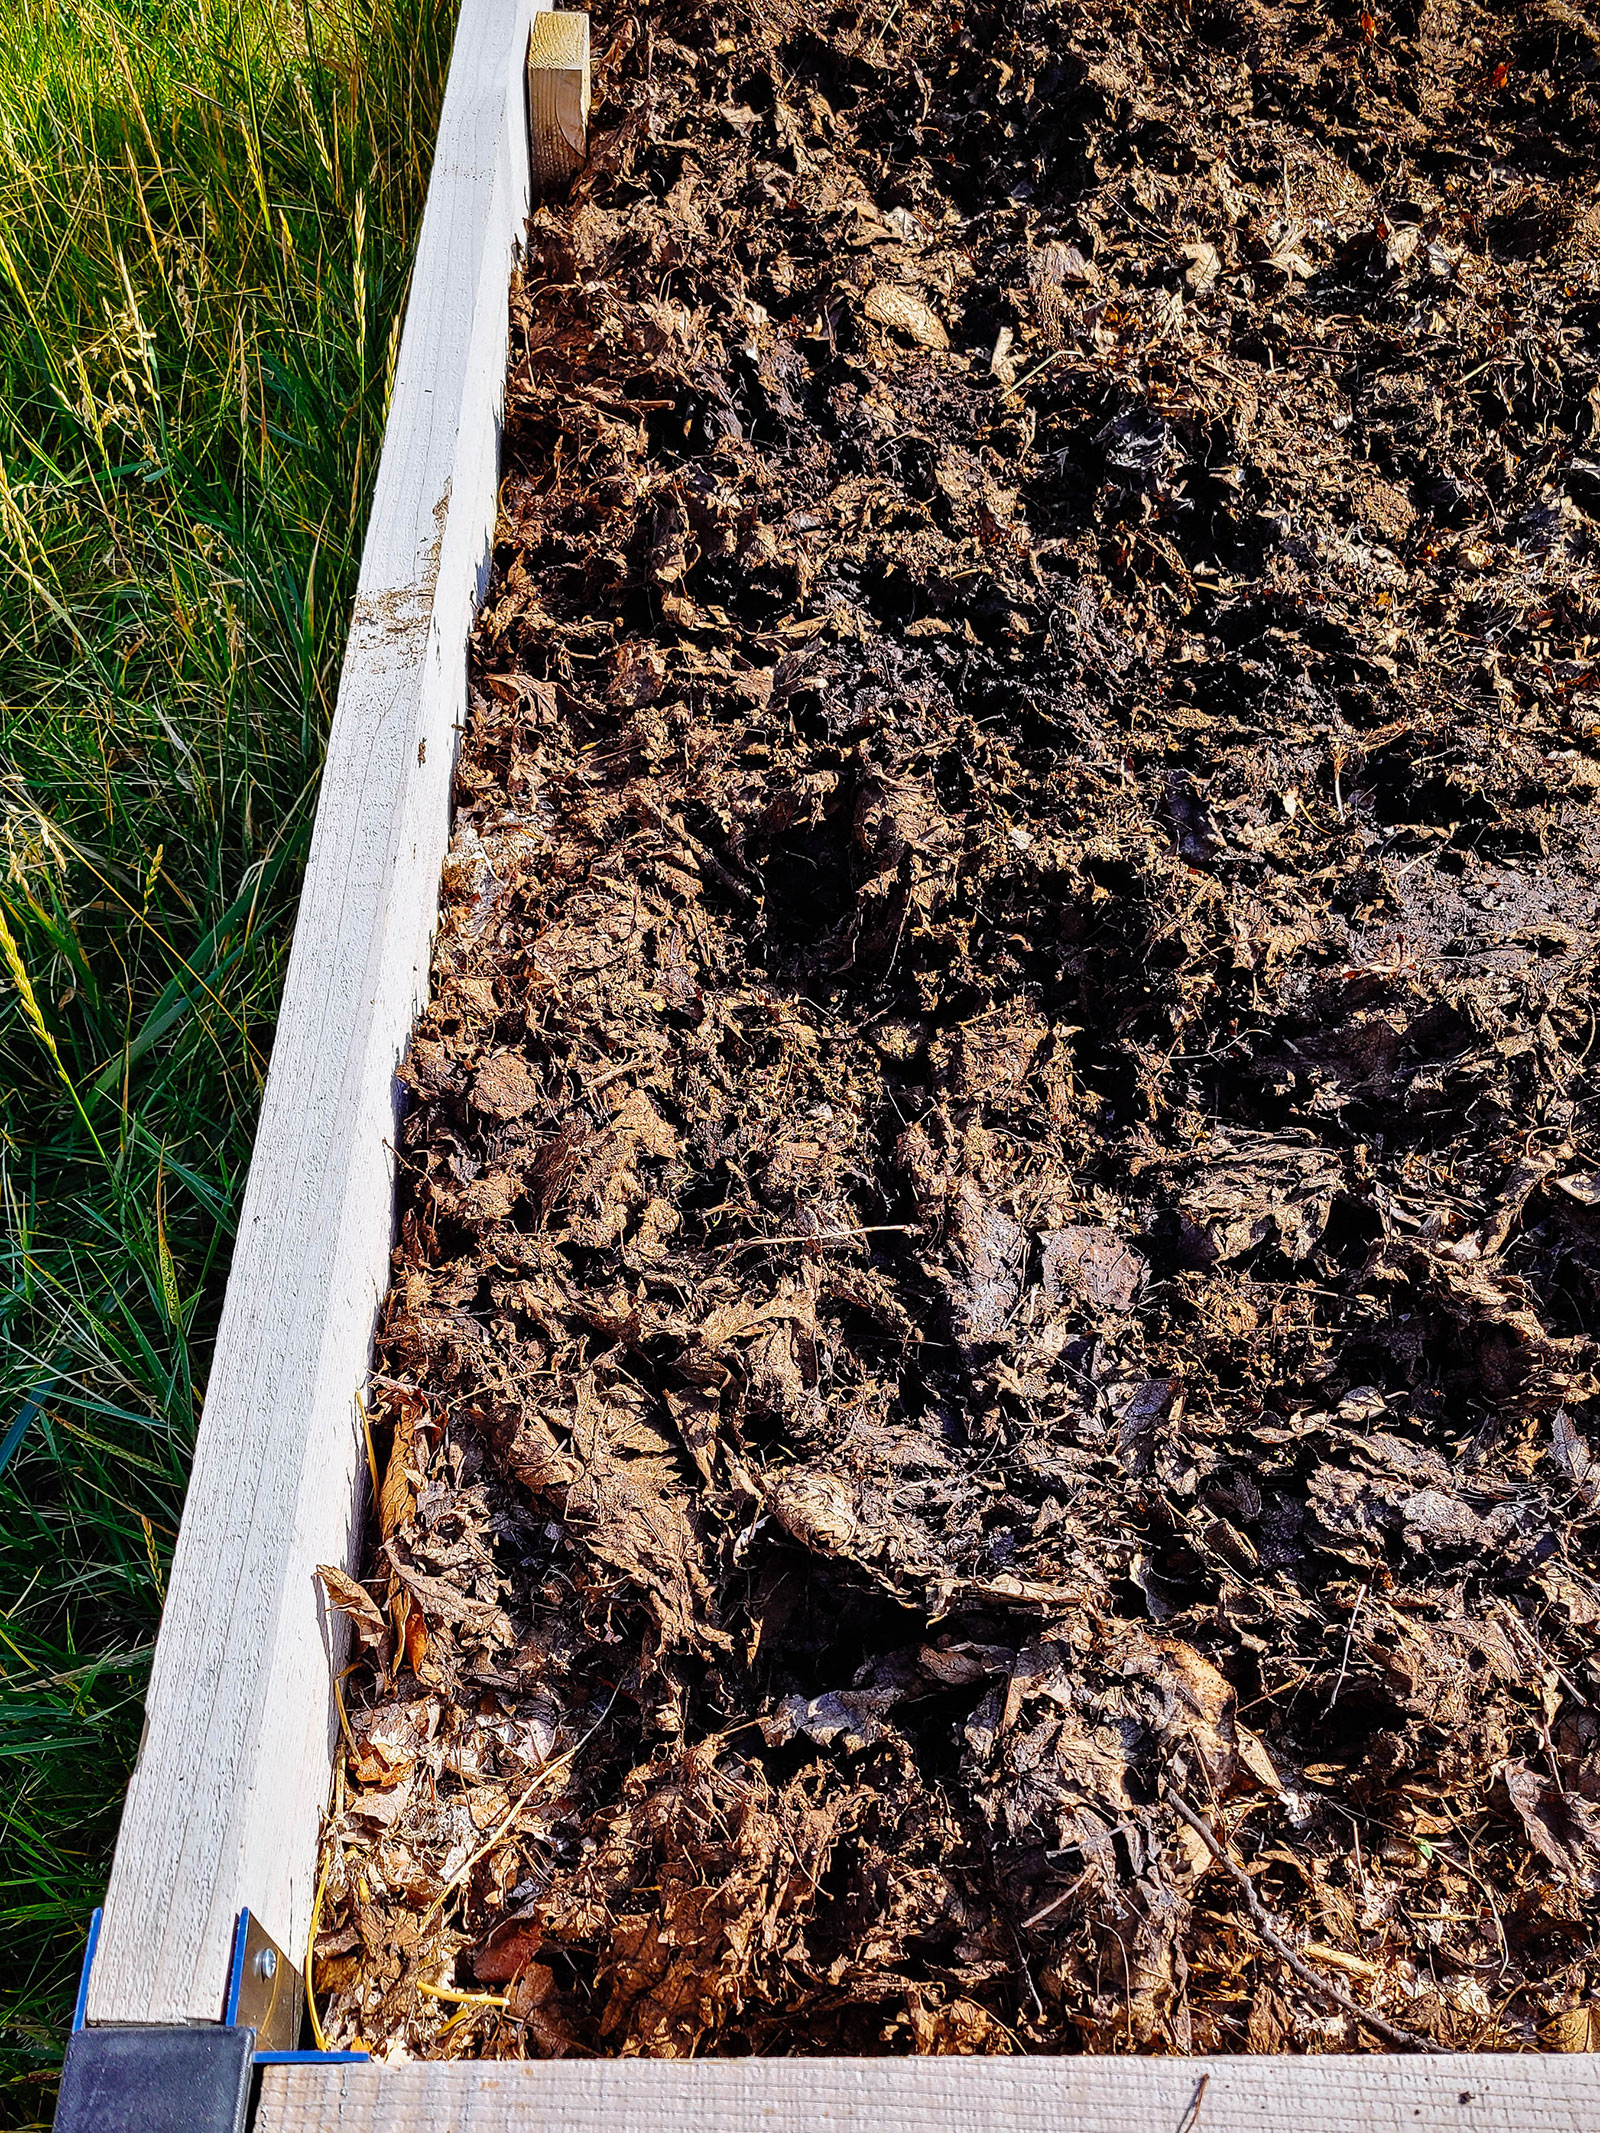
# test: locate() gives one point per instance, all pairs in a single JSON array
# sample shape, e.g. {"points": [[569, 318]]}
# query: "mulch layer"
{"points": [[983, 1436]]}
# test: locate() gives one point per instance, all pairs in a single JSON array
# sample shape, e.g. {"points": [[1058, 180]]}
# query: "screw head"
{"points": [[267, 1964]]}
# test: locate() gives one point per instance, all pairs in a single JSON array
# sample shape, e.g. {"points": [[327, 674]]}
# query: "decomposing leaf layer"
{"points": [[1000, 1218]]}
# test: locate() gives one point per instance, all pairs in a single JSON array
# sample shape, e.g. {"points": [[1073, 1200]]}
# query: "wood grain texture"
{"points": [[1455, 2094], [234, 1767], [558, 98]]}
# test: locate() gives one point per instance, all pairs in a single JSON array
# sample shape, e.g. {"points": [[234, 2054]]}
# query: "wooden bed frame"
{"points": [[241, 1727]]}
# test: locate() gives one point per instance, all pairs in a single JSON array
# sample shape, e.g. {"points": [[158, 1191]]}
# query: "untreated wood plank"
{"points": [[558, 97], [1445, 2094], [239, 1728]]}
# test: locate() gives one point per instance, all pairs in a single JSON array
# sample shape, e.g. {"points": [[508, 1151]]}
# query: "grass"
{"points": [[207, 212]]}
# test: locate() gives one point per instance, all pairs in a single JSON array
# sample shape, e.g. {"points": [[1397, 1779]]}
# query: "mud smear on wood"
{"points": [[1002, 1187]]}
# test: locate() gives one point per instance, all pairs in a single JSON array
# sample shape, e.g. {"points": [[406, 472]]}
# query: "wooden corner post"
{"points": [[558, 98]]}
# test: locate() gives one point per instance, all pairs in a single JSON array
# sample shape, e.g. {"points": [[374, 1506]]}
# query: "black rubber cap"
{"points": [[168, 2080]]}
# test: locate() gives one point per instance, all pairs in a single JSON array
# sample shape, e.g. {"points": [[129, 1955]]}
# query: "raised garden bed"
{"points": [[988, 1348], [980, 1436]]}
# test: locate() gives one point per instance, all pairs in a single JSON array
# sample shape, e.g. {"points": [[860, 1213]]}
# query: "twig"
{"points": [[1048, 1910], [1191, 2116], [467, 2014], [318, 2038], [1350, 1630], [1407, 2039], [821, 1236], [466, 1999], [1011, 392]]}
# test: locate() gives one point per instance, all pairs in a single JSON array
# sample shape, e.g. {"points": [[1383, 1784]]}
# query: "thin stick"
{"points": [[467, 1999], [1271, 1933], [311, 1959], [1191, 2117], [1350, 1630], [821, 1236], [1038, 371], [470, 2014], [1048, 1910]]}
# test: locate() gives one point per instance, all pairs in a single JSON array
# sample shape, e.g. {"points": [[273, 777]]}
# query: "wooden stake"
{"points": [[558, 98]]}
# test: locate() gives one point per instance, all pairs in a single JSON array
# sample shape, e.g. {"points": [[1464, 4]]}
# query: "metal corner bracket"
{"points": [[266, 1992], [187, 2077]]}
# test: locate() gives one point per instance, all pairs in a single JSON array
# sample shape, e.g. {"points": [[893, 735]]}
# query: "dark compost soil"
{"points": [[993, 1338]]}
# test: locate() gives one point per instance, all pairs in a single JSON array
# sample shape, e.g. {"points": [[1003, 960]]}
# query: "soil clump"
{"points": [[994, 1325]]}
